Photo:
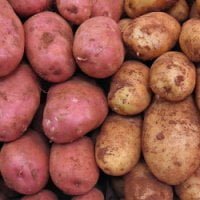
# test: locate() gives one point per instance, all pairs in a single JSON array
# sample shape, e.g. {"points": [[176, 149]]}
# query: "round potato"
{"points": [[129, 91], [123, 23], [171, 140], [42, 195], [197, 89], [117, 183], [150, 35], [173, 76]]}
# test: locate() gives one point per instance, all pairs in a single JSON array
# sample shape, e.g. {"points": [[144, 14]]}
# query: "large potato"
{"points": [[197, 89], [150, 35], [73, 168], [49, 41], [98, 48], [173, 76], [24, 163], [73, 109], [118, 145], [171, 140], [42, 195], [140, 184], [19, 100], [11, 40], [129, 91]]}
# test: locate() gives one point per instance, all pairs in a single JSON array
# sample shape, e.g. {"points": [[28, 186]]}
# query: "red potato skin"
{"points": [[73, 168], [48, 43], [19, 100], [98, 48], [11, 40], [75, 11], [73, 109], [24, 163]]}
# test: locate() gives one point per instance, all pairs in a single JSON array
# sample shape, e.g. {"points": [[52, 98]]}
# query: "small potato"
{"points": [[49, 41], [150, 35], [197, 89], [117, 183], [72, 166], [42, 195], [25, 163], [140, 184], [11, 40], [171, 140], [123, 23], [173, 76], [193, 11], [118, 145], [75, 11], [129, 91], [98, 48]]}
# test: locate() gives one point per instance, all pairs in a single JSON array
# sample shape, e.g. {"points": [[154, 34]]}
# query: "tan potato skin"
{"points": [[171, 140], [11, 40], [123, 23], [129, 91], [197, 89], [173, 76], [141, 184], [118, 145], [150, 35]]}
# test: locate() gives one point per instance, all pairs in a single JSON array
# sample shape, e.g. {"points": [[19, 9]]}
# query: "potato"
{"points": [[197, 89], [193, 11], [19, 100], [98, 48], [73, 109], [49, 46], [94, 194], [171, 140], [150, 35], [117, 183], [108, 8], [173, 76], [118, 145], [180, 10], [123, 23], [26, 8], [42, 195], [135, 8], [11, 40], [75, 11], [140, 184], [25, 163], [129, 91], [72, 166], [189, 39]]}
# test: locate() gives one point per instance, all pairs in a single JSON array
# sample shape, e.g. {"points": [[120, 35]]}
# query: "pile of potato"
{"points": [[100, 99]]}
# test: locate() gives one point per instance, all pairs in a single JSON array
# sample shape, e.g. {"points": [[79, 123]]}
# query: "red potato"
{"points": [[11, 40], [75, 11], [48, 43], [73, 109], [73, 168], [19, 100], [98, 48], [25, 162]]}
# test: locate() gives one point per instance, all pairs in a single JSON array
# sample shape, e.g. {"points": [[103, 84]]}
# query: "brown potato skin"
{"points": [[11, 40], [49, 41], [25, 163], [73, 109], [193, 11], [123, 23], [73, 168], [150, 35], [19, 100], [173, 76], [141, 184], [170, 141], [198, 5], [98, 48], [197, 89]]}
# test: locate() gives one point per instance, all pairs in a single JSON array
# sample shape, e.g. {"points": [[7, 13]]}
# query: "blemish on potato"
{"points": [[47, 39], [179, 80], [73, 9], [160, 136]]}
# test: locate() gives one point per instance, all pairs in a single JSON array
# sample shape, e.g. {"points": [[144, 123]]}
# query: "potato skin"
{"points": [[129, 91], [42, 195], [197, 89], [73, 168], [98, 48], [25, 163], [49, 41], [173, 76], [170, 141], [19, 100], [193, 11], [150, 35], [11, 40], [123, 23], [73, 109], [141, 184], [75, 11]]}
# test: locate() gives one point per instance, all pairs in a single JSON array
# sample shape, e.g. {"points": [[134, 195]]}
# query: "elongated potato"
{"points": [[49, 41], [197, 89], [171, 140], [11, 40]]}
